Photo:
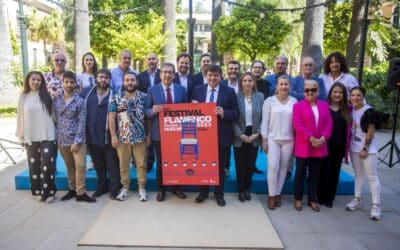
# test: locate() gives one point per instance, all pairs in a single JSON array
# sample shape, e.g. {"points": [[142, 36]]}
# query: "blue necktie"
{"points": [[212, 95]]}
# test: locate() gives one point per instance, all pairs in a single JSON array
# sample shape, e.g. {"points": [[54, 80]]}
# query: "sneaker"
{"points": [[50, 199], [375, 212], [38, 198], [90, 165], [123, 194], [142, 195], [354, 204]]}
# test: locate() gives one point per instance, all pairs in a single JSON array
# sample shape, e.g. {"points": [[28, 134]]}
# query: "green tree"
{"points": [[250, 31]]}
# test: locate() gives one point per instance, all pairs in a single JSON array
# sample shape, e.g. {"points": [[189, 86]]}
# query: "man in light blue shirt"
{"points": [[280, 68], [117, 73]]}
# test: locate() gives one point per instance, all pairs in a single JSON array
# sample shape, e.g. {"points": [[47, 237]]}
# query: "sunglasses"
{"points": [[59, 60], [313, 90]]}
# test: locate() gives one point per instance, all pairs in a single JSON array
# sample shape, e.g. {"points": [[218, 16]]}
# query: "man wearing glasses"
{"points": [[53, 78], [258, 69], [307, 73]]}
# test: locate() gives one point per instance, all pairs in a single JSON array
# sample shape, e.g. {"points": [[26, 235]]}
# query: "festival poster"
{"points": [[189, 144]]}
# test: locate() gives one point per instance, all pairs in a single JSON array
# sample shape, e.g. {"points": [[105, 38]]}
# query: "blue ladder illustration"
{"points": [[189, 144]]}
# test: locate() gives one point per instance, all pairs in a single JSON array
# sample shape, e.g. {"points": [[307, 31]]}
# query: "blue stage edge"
{"points": [[259, 185]]}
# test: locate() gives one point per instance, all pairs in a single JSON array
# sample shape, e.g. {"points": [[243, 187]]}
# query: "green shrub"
{"points": [[8, 111]]}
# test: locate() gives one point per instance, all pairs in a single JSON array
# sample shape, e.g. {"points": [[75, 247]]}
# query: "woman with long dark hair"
{"points": [[338, 144], [36, 131], [86, 80]]}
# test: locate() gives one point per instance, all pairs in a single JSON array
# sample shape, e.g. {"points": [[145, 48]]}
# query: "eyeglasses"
{"points": [[308, 65], [313, 90], [59, 60]]}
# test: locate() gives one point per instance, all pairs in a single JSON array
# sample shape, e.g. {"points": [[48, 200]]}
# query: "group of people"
{"points": [[115, 116]]}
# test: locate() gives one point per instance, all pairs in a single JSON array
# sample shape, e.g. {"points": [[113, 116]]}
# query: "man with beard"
{"points": [[165, 92], [183, 76], [258, 69], [128, 134], [280, 68], [233, 76], [98, 139], [117, 74], [70, 114], [150, 76], [201, 77], [53, 78]]}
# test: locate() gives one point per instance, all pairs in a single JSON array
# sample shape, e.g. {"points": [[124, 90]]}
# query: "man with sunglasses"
{"points": [[307, 73], [53, 78]]}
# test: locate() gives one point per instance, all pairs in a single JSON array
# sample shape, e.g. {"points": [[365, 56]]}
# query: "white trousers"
{"points": [[279, 154], [369, 167]]}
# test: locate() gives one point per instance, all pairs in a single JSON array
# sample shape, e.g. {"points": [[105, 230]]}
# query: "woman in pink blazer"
{"points": [[313, 126]]}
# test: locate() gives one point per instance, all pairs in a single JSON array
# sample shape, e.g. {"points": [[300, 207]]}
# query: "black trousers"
{"points": [[150, 157], [313, 166], [223, 154], [161, 187], [329, 175], [106, 164], [42, 167], [245, 160]]}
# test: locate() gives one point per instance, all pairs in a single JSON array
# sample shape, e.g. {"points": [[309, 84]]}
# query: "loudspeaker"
{"points": [[393, 76]]}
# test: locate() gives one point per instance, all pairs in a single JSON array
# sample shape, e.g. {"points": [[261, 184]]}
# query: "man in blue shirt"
{"points": [[280, 68], [125, 58]]}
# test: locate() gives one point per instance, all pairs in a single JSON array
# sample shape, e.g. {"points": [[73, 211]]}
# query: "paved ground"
{"points": [[27, 224]]}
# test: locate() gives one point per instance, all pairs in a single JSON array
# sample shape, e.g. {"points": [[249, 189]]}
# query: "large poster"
{"points": [[189, 144]]}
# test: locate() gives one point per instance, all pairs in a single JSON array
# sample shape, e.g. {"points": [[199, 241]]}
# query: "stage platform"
{"points": [[259, 185]]}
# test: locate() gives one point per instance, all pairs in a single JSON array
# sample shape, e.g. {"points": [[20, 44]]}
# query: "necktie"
{"points": [[212, 95], [169, 96]]}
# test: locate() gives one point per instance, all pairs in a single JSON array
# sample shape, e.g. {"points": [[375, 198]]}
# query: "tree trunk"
{"points": [[353, 41], [216, 14], [46, 58], [169, 26], [313, 35], [81, 32], [104, 62]]}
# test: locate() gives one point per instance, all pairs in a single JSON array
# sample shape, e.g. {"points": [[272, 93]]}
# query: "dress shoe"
{"points": [[69, 195], [201, 197], [99, 193], [220, 201], [271, 202], [297, 205], [314, 206], [242, 197], [257, 171], [247, 195], [85, 197], [278, 200], [161, 195], [328, 204], [181, 195]]}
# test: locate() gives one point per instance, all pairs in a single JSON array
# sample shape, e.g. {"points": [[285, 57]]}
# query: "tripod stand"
{"points": [[394, 148]]}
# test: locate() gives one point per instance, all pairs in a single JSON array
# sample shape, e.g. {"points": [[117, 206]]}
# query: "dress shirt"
{"points": [[171, 87], [347, 79], [184, 80], [209, 91], [235, 86]]}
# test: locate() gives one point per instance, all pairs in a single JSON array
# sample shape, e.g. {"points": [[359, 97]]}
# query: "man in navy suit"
{"points": [[227, 111], [233, 76], [165, 92], [183, 76], [205, 61]]}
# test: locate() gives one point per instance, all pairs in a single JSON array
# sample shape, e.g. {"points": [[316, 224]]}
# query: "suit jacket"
{"points": [[305, 127], [239, 125], [190, 85], [156, 96], [144, 80], [198, 79], [228, 101]]}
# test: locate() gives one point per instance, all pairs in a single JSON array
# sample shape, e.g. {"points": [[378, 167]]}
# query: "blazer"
{"points": [[228, 101], [198, 78], [144, 80], [239, 125], [305, 127], [190, 85], [156, 96]]}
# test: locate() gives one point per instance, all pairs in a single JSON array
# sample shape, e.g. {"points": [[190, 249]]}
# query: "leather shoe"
{"points": [[257, 171], [314, 206], [220, 201], [161, 195], [201, 197], [69, 195], [242, 197], [85, 197], [271, 202], [99, 193], [247, 195], [297, 205], [181, 195], [278, 201], [328, 204]]}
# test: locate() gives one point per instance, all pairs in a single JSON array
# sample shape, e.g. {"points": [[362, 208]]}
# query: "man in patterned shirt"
{"points": [[70, 112], [128, 134]]}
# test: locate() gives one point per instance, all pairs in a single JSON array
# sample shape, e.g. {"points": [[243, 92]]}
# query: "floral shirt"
{"points": [[130, 117], [71, 120], [54, 84]]}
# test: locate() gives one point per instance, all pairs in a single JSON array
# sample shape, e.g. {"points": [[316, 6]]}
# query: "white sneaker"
{"points": [[375, 212], [38, 198], [50, 199], [354, 204], [90, 165], [123, 194], [142, 195]]}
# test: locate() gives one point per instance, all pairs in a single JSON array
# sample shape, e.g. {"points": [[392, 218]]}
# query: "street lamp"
{"points": [[24, 38]]}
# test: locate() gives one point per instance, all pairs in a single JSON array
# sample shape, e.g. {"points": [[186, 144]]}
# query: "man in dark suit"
{"points": [[227, 111], [183, 76], [165, 92], [258, 69], [205, 61], [146, 79], [233, 76]]}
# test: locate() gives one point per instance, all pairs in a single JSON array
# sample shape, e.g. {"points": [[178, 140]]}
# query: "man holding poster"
{"points": [[166, 92], [227, 111]]}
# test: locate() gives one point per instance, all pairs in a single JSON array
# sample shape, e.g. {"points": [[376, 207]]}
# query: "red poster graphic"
{"points": [[189, 144]]}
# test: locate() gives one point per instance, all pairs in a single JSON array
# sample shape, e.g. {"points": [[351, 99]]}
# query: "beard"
{"points": [[130, 88], [103, 85]]}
